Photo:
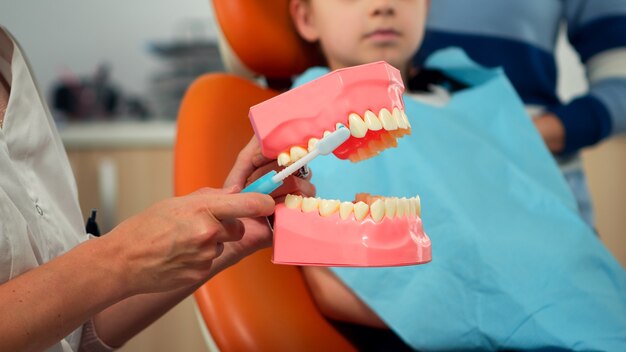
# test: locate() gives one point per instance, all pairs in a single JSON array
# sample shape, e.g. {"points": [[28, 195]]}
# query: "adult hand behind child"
{"points": [[552, 131]]}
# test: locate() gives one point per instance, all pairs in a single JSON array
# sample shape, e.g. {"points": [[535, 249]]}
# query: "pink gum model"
{"points": [[292, 118], [305, 238]]}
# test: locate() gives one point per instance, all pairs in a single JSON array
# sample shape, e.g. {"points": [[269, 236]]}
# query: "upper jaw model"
{"points": [[371, 231]]}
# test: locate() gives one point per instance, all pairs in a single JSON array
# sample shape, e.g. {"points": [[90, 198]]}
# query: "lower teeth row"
{"points": [[377, 210]]}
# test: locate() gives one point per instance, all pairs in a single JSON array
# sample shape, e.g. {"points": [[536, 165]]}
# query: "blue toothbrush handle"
{"points": [[265, 184]]}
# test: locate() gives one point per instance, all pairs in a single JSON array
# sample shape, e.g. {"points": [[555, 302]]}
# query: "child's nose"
{"points": [[383, 7]]}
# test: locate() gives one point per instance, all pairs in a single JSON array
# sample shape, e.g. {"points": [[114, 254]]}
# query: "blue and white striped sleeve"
{"points": [[597, 30]]}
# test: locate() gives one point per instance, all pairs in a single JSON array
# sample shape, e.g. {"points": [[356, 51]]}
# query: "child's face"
{"points": [[354, 32]]}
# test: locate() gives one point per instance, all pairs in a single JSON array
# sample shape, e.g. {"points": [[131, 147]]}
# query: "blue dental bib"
{"points": [[514, 266]]}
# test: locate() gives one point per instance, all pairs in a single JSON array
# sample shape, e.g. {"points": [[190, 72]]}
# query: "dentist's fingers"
{"points": [[291, 185], [215, 191], [294, 185], [239, 205], [262, 170], [173, 243], [232, 230], [227, 203], [248, 160]]}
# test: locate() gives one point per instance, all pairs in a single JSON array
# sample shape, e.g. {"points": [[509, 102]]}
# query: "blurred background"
{"points": [[114, 72], [114, 60]]}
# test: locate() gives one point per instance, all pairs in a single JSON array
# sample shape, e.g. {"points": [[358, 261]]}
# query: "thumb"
{"points": [[248, 160]]}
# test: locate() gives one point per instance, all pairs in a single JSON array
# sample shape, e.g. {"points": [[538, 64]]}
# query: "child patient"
{"points": [[508, 245], [353, 33]]}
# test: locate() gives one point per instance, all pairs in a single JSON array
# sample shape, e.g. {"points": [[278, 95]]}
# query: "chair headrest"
{"points": [[258, 38]]}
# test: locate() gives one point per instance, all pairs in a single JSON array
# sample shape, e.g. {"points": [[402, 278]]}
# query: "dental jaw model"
{"points": [[371, 231]]}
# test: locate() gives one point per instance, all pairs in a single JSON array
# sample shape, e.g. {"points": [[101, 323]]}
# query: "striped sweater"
{"points": [[521, 36]]}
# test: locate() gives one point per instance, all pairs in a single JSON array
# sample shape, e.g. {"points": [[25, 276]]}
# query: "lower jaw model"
{"points": [[371, 230]]}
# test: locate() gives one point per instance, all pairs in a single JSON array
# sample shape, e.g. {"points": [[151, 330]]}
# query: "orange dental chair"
{"points": [[254, 305]]}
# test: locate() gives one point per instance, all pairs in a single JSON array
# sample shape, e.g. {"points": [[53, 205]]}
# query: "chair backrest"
{"points": [[257, 37], [254, 305]]}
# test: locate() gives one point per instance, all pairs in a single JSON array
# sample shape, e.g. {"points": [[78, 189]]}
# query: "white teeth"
{"points": [[309, 204], [418, 205], [390, 207], [297, 153], [372, 122], [283, 159], [404, 204], [345, 209], [398, 117], [358, 128], [399, 208], [293, 201], [360, 210], [377, 210], [312, 143], [328, 207], [405, 118], [389, 123]]}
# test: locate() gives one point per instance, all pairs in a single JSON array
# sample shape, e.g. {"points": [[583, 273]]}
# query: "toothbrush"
{"points": [[272, 180]]}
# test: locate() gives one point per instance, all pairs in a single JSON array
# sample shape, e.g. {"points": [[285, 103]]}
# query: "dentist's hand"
{"points": [[249, 166], [173, 243]]}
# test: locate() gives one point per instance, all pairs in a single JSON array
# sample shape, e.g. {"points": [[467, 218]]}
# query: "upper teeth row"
{"points": [[382, 207], [390, 121], [358, 126]]}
